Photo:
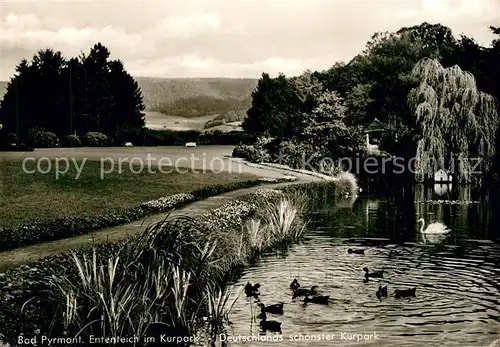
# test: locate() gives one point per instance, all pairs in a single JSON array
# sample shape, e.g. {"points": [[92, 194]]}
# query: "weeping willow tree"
{"points": [[455, 121]]}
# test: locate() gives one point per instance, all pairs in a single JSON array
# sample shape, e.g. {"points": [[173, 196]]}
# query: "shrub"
{"points": [[293, 153], [347, 184], [71, 141], [250, 153], [39, 138], [94, 139]]}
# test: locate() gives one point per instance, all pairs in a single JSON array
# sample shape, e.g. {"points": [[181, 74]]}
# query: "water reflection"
{"points": [[457, 276], [442, 189]]}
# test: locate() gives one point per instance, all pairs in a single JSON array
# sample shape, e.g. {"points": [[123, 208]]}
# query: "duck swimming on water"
{"points": [[375, 274], [405, 293], [270, 325], [295, 284], [356, 251], [382, 292], [318, 299], [305, 292], [252, 290], [274, 309]]}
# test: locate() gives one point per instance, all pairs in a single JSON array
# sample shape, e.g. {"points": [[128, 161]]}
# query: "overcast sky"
{"points": [[225, 38]]}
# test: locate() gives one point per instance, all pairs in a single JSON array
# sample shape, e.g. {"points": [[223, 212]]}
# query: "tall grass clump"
{"points": [[347, 183], [172, 272], [160, 276], [283, 222]]}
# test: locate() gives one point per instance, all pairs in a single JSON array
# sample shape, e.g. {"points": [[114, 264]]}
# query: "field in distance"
{"points": [[193, 103]]}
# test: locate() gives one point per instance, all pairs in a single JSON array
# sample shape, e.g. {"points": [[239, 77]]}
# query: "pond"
{"points": [[457, 278]]}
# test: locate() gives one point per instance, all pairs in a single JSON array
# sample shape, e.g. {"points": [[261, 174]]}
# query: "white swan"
{"points": [[434, 228]]}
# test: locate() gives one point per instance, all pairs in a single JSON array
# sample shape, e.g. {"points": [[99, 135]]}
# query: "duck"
{"points": [[295, 284], [356, 251], [252, 290], [317, 299], [305, 292], [270, 325], [433, 228], [405, 293], [375, 274], [274, 309], [382, 292]]}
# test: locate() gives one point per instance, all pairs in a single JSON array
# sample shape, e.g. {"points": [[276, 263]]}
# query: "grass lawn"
{"points": [[25, 196]]}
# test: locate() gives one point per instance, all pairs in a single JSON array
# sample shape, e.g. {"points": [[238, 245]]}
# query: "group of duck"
{"points": [[382, 291], [311, 295]]}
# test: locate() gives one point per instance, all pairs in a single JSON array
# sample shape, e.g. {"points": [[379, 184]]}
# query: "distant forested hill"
{"points": [[192, 97]]}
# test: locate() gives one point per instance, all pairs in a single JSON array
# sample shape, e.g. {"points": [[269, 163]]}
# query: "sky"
{"points": [[224, 38]]}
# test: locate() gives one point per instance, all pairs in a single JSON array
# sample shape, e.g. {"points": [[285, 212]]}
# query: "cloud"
{"points": [[213, 38], [185, 27]]}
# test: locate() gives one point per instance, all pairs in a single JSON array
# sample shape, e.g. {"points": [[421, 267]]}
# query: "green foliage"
{"points": [[275, 108], [217, 189], [454, 119], [94, 139], [197, 106], [326, 122], [250, 153], [294, 154], [358, 101], [86, 94], [71, 141], [39, 138]]}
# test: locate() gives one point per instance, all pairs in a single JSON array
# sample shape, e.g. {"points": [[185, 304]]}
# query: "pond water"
{"points": [[457, 277]]}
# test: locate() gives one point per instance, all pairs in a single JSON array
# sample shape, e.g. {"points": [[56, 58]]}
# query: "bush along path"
{"points": [[71, 235], [173, 273]]}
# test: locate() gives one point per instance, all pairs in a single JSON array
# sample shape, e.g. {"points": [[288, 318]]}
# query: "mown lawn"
{"points": [[28, 196]]}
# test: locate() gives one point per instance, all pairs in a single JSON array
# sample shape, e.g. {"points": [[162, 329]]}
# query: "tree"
{"points": [[276, 108], [88, 93], [326, 122], [126, 100], [308, 89], [455, 120], [358, 101]]}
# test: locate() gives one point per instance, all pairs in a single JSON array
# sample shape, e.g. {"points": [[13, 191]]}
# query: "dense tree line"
{"points": [[328, 109], [90, 93]]}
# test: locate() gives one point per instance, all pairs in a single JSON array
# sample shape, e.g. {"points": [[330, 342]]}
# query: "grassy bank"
{"points": [[38, 207], [172, 273], [33, 197]]}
